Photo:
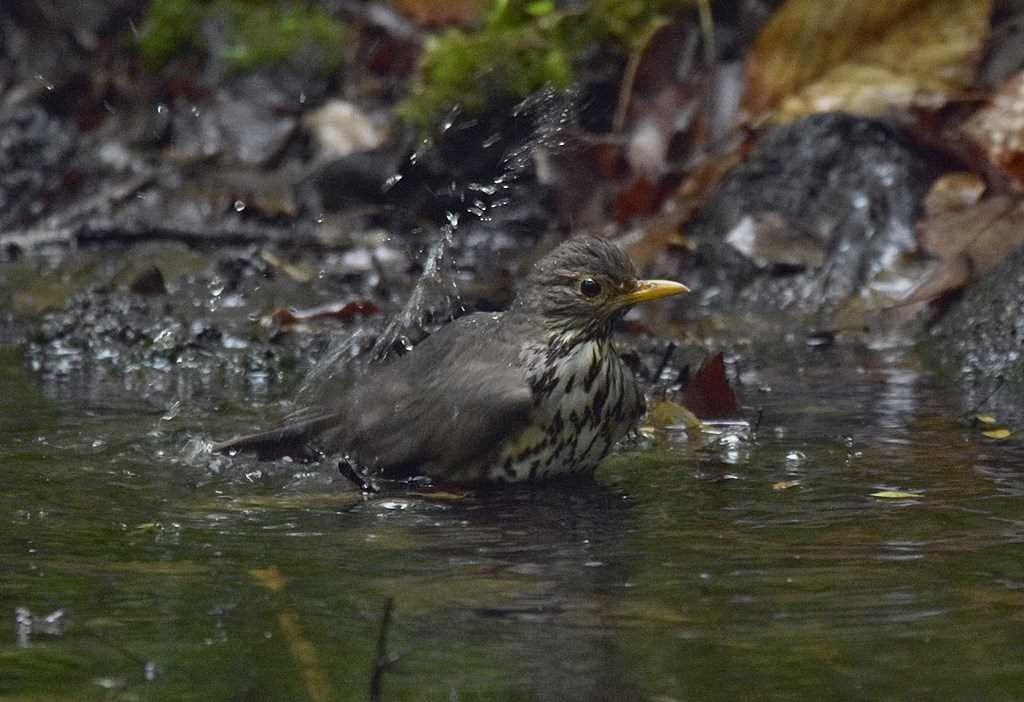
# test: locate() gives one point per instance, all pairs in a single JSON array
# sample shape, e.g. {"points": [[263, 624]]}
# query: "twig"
{"points": [[665, 358], [361, 481], [1000, 383], [384, 660], [629, 76], [757, 421]]}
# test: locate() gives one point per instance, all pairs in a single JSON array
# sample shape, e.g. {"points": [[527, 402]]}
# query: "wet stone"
{"points": [[982, 335], [844, 190]]}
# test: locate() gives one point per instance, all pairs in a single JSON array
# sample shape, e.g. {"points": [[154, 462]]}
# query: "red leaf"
{"points": [[708, 394], [358, 308]]}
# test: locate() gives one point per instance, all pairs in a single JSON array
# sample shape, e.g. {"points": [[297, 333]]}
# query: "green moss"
{"points": [[259, 32], [171, 27], [523, 46]]}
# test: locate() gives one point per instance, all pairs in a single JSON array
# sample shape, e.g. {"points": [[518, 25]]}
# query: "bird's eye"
{"points": [[590, 287]]}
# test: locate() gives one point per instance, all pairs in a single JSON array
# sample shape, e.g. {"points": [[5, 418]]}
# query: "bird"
{"points": [[535, 392]]}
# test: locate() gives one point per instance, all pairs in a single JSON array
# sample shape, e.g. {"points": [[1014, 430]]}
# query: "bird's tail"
{"points": [[294, 439]]}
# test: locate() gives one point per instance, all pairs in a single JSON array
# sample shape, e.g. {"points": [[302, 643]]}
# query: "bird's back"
{"points": [[442, 410]]}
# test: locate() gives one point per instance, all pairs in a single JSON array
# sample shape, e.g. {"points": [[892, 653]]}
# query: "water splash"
{"points": [[434, 299], [538, 124]]}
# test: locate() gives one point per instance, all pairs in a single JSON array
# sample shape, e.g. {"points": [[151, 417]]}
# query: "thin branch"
{"points": [[383, 660]]}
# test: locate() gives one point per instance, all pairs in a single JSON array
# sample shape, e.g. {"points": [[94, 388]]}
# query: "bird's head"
{"points": [[583, 285]]}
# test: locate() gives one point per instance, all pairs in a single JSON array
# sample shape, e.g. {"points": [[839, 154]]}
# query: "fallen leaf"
{"points": [[998, 129], [986, 419], [665, 229], [285, 317], [708, 394], [968, 244], [767, 239], [953, 192], [863, 56], [896, 495], [997, 433], [296, 273], [270, 578], [785, 484], [439, 13], [666, 413]]}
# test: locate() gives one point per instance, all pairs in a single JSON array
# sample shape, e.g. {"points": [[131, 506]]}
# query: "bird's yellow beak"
{"points": [[647, 290]]}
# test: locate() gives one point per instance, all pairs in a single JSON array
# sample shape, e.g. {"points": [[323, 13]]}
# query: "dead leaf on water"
{"points": [[985, 419], [314, 678], [997, 433], [864, 56], [708, 393], [269, 578], [785, 484], [666, 413], [896, 495]]}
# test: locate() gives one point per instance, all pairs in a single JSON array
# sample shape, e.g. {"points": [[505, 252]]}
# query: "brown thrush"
{"points": [[531, 393]]}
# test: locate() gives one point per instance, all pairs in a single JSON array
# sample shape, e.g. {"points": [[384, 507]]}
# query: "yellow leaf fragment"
{"points": [[785, 484], [269, 578], [986, 419], [896, 495], [996, 433], [297, 273], [314, 677], [864, 56], [666, 413]]}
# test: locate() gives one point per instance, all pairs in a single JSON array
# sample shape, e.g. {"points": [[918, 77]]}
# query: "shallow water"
{"points": [[736, 566]]}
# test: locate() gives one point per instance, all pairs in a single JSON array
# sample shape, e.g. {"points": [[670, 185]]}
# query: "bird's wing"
{"points": [[440, 409], [443, 408]]}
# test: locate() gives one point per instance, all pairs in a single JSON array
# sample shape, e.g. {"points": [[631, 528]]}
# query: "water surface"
{"points": [[722, 567]]}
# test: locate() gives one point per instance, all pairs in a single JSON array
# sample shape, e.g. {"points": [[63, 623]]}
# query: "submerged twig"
{"points": [[383, 659], [348, 470]]}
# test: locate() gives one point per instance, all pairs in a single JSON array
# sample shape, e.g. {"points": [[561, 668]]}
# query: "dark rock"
{"points": [[34, 152], [982, 335], [149, 282], [846, 190]]}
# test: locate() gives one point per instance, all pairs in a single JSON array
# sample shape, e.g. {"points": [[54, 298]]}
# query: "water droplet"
{"points": [[196, 111], [302, 97], [161, 108], [239, 206]]}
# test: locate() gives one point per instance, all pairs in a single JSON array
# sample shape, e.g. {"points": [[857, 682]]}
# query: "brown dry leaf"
{"points": [[998, 129], [864, 56], [664, 230], [968, 244], [438, 13], [953, 192]]}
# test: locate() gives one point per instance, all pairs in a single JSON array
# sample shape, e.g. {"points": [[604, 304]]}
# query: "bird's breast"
{"points": [[585, 399]]}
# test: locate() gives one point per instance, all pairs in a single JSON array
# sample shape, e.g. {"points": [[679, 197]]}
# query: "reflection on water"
{"points": [[740, 565]]}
